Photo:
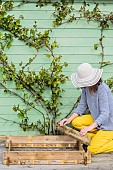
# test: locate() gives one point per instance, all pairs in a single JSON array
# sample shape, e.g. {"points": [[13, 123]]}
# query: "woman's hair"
{"points": [[95, 87]]}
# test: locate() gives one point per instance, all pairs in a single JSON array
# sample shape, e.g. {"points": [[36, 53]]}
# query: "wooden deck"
{"points": [[99, 162]]}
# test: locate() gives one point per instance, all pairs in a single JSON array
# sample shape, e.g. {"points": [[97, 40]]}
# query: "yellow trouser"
{"points": [[102, 140]]}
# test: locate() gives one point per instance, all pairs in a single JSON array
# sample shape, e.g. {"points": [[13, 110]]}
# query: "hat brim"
{"points": [[90, 81]]}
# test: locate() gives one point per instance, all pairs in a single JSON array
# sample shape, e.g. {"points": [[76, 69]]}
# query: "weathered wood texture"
{"points": [[73, 133], [76, 44], [59, 141], [67, 151], [45, 157], [3, 138], [99, 162]]}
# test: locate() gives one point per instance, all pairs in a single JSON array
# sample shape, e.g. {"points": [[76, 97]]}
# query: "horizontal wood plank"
{"points": [[41, 141], [2, 138], [40, 162], [46, 157]]}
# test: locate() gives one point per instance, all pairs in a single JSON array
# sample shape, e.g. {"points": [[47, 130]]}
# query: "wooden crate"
{"points": [[59, 149]]}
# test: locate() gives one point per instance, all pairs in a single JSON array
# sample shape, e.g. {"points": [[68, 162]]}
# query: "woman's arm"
{"points": [[82, 106], [87, 129], [103, 105], [68, 120]]}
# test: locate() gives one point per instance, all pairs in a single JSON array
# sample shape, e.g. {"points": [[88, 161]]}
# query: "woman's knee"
{"points": [[76, 122], [82, 121]]}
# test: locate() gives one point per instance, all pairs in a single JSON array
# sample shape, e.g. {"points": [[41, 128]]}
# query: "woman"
{"points": [[97, 97]]}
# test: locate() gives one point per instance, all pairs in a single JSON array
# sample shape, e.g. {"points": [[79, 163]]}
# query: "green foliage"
{"points": [[33, 85], [65, 13], [42, 3], [109, 82], [96, 46], [62, 10], [6, 40]]}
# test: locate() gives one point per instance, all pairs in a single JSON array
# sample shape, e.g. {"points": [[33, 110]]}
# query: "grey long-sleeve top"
{"points": [[100, 105]]}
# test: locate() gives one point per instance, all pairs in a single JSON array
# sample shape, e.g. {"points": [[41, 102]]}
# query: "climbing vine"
{"points": [[34, 85], [66, 13]]}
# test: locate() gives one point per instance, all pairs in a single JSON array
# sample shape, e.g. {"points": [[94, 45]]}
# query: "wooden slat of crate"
{"points": [[43, 162], [73, 133], [41, 141], [3, 138], [45, 157]]}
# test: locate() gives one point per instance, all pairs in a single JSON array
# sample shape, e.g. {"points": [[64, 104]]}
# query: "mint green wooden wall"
{"points": [[75, 41]]}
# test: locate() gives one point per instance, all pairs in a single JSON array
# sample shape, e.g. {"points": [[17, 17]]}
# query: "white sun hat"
{"points": [[86, 76]]}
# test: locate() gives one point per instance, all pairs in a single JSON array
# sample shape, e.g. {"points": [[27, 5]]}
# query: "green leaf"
{"points": [[18, 22], [1, 35], [20, 64], [107, 26], [4, 57], [5, 91], [48, 55], [4, 76], [96, 46], [101, 54], [9, 45], [54, 45], [21, 17], [65, 64], [26, 96]]}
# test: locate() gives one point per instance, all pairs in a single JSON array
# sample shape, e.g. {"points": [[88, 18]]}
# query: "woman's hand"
{"points": [[87, 129], [64, 122]]}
